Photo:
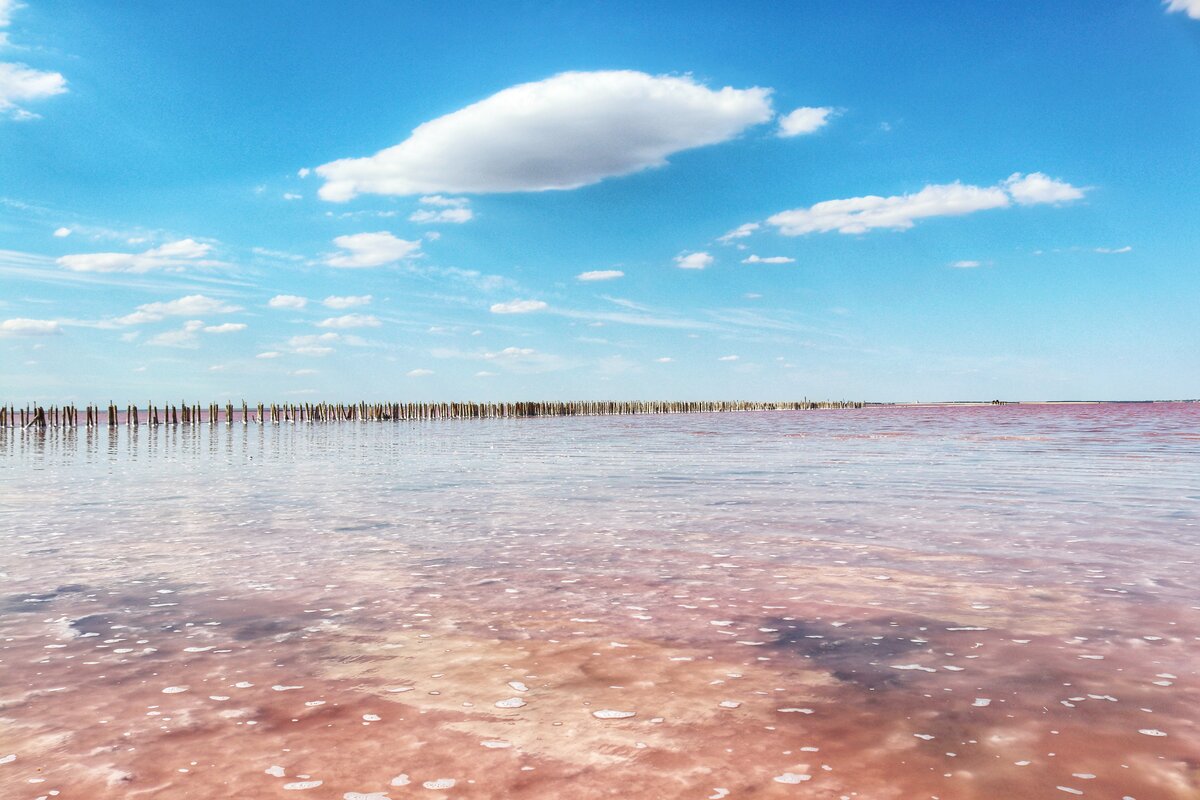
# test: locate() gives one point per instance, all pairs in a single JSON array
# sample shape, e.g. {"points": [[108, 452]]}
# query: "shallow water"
{"points": [[984, 602]]}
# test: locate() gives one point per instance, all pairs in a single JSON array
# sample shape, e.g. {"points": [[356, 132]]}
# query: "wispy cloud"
{"points": [[600, 275], [900, 212], [518, 307], [171, 256]]}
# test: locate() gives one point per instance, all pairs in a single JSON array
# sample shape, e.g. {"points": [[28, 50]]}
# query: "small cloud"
{"points": [[287, 301], [965, 264], [728, 358], [226, 327], [453, 210], [183, 337], [62, 232], [485, 374], [292, 196], [302, 372], [351, 321], [418, 373], [518, 307], [1114, 250], [804, 120], [600, 275], [451, 215], [693, 260], [347, 301], [752, 296], [303, 172], [1037, 187], [371, 250], [20, 82], [444, 202], [664, 360], [768, 260], [269, 354], [1189, 7], [740, 232], [30, 327]]}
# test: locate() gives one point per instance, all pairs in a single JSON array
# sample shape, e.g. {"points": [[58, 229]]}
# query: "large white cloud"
{"points": [[567, 131], [1189, 7], [171, 256], [371, 250], [900, 212]]}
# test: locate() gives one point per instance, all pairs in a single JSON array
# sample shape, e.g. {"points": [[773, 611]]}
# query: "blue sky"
{"points": [[883, 201]]}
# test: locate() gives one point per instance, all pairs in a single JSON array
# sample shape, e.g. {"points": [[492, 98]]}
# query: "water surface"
{"points": [[982, 602]]}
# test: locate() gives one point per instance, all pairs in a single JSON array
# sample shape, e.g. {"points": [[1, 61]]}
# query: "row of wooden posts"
{"points": [[192, 414]]}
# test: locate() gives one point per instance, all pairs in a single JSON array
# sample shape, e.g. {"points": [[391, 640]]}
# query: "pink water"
{"points": [[984, 602]]}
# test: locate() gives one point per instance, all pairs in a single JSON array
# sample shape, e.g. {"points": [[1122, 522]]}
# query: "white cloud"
{"points": [[348, 301], [303, 172], [965, 264], [1189, 7], [1114, 250], [860, 214], [351, 321], [269, 354], [485, 374], [61, 232], [183, 337], [450, 215], [418, 373], [518, 307], [740, 232], [768, 260], [899, 212], [30, 327], [287, 301], [567, 131], [664, 360], [728, 358], [444, 202], [693, 260], [302, 372], [292, 196], [1037, 187], [171, 256], [189, 306], [21, 83], [7, 7], [225, 327], [600, 275], [804, 120], [316, 344], [371, 250]]}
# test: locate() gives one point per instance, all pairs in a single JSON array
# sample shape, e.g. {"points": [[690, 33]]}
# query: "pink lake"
{"points": [[887, 603]]}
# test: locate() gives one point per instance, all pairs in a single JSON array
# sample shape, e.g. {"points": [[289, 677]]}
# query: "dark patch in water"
{"points": [[266, 629], [859, 653]]}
